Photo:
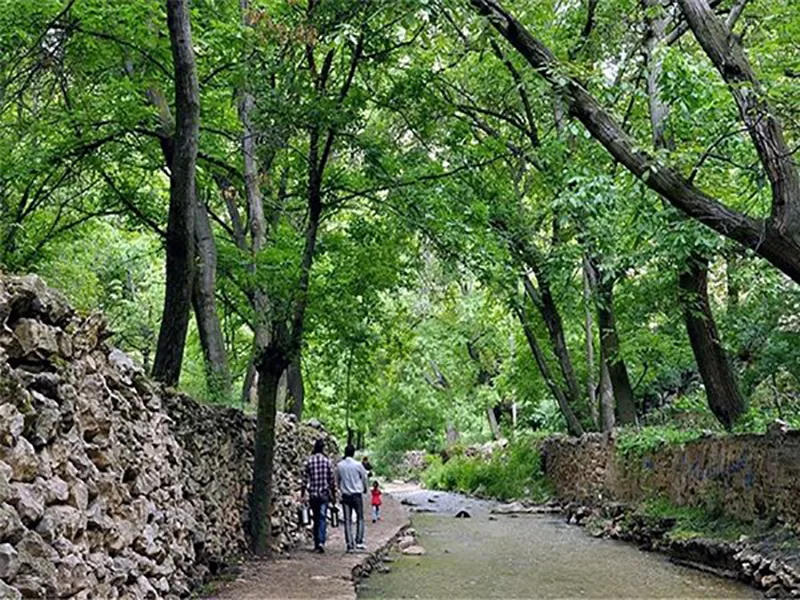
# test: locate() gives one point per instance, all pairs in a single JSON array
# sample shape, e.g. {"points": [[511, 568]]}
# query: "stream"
{"points": [[528, 556]]}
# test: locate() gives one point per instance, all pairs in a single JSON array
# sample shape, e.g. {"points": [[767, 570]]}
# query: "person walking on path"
{"points": [[367, 466], [320, 484], [352, 480], [376, 501]]}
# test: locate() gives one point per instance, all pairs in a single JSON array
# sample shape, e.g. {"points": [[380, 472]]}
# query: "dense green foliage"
{"points": [[514, 472], [455, 174]]}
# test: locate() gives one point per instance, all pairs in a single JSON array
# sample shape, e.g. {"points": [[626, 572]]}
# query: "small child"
{"points": [[376, 502]]}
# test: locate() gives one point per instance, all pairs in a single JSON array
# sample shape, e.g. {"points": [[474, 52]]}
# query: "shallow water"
{"points": [[530, 556]]}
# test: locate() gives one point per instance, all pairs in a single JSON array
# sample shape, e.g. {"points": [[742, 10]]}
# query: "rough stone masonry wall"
{"points": [[747, 476], [111, 487]]}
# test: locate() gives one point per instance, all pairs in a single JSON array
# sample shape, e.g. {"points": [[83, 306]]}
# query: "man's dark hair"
{"points": [[349, 451], [319, 446]]}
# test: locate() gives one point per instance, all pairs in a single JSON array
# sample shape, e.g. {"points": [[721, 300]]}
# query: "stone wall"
{"points": [[747, 476], [110, 486]]}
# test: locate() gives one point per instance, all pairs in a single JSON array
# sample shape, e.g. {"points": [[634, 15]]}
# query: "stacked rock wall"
{"points": [[746, 476], [109, 486]]}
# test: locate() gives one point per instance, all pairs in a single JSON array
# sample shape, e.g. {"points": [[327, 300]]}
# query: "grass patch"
{"points": [[512, 473], [702, 521]]}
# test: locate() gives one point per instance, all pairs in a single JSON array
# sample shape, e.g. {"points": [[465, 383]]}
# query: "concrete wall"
{"points": [[748, 476], [109, 486]]}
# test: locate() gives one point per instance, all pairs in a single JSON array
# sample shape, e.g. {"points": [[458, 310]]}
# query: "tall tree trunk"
{"points": [[269, 372], [250, 382], [731, 281], [180, 225], [609, 343], [724, 397], [296, 396], [218, 376], [493, 426], [573, 424], [555, 328], [718, 377], [589, 333], [607, 404]]}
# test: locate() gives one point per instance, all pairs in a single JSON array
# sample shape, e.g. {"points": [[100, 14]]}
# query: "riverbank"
{"points": [[726, 505], [766, 558], [305, 574]]}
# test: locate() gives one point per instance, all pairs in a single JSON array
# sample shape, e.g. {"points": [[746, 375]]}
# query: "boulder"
{"points": [[61, 521], [21, 457], [36, 339], [11, 424], [9, 593], [11, 527], [9, 562], [28, 499], [414, 551]]}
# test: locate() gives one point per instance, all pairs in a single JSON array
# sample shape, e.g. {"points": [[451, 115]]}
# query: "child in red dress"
{"points": [[376, 502]]}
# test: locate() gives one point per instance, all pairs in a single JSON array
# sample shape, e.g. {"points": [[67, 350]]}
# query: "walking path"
{"points": [[305, 574]]}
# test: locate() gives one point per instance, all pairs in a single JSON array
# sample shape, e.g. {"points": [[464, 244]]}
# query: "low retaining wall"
{"points": [[109, 486], [747, 476]]}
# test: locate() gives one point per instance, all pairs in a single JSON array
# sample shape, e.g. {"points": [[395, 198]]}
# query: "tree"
{"points": [[180, 244], [777, 239]]}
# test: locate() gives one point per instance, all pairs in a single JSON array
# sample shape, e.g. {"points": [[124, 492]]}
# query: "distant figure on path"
{"points": [[320, 484], [376, 501], [367, 465], [351, 477]]}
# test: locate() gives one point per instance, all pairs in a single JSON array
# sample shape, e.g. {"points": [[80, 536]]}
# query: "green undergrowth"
{"points": [[632, 442], [703, 521], [514, 472]]}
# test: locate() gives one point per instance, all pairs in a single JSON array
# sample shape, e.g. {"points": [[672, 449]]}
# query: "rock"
{"points": [[9, 593], [9, 562], [29, 501], [61, 520], [73, 576], [462, 514], [22, 460], [511, 508], [37, 575], [78, 495], [11, 527], [54, 489], [414, 551], [492, 518], [47, 418], [6, 491], [406, 542], [11, 424], [36, 339]]}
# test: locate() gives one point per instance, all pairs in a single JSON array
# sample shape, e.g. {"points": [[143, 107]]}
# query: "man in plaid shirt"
{"points": [[321, 487]]}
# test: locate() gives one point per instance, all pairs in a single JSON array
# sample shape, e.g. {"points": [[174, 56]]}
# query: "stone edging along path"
{"points": [[304, 574]]}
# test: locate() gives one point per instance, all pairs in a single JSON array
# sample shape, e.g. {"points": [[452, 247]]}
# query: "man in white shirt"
{"points": [[351, 479]]}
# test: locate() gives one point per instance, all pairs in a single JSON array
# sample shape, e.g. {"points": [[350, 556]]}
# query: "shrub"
{"points": [[515, 472]]}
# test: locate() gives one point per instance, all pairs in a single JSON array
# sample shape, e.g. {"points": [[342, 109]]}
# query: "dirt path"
{"points": [[304, 574]]}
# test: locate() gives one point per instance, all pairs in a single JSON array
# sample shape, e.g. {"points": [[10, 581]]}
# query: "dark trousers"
{"points": [[319, 512], [353, 503]]}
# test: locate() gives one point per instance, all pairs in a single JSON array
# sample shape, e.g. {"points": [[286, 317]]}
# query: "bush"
{"points": [[512, 473]]}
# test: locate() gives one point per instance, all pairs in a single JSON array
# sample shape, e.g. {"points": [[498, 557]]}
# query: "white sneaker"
{"points": [[361, 547]]}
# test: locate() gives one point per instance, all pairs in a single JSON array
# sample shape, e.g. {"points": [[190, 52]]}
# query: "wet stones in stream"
{"points": [[408, 544]]}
